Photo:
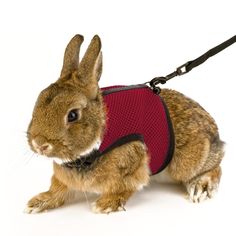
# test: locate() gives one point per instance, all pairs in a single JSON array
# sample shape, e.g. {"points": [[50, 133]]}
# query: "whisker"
{"points": [[26, 134], [86, 197], [29, 158], [21, 161], [27, 162], [27, 152]]}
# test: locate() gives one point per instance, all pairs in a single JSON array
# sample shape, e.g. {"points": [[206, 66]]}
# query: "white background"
{"points": [[141, 39]]}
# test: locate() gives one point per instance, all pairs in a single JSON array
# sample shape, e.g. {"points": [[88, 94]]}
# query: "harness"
{"points": [[137, 113]]}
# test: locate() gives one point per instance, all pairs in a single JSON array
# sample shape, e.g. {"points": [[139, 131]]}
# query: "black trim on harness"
{"points": [[121, 141], [171, 147], [85, 162], [123, 88]]}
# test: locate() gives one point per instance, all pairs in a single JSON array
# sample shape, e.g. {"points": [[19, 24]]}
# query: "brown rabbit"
{"points": [[69, 122]]}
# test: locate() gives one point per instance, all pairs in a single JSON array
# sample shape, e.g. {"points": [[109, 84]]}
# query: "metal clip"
{"points": [[181, 70], [155, 81]]}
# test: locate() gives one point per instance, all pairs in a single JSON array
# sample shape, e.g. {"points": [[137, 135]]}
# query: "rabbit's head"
{"points": [[68, 117]]}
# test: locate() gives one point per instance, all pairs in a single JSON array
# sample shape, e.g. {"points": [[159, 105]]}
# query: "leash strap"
{"points": [[188, 66]]}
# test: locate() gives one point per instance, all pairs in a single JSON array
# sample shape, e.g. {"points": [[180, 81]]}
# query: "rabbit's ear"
{"points": [[98, 67], [89, 65], [71, 56]]}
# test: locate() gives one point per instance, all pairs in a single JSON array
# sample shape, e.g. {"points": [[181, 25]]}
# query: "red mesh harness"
{"points": [[137, 113]]}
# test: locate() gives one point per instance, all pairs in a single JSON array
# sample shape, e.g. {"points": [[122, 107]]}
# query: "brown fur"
{"points": [[196, 135], [124, 170]]}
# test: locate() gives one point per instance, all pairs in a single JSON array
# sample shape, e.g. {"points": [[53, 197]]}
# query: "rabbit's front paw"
{"points": [[107, 205], [42, 202]]}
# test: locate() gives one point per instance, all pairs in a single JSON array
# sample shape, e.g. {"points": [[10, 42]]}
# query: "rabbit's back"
{"points": [[198, 148]]}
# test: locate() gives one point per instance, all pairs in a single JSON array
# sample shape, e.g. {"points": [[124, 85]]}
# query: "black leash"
{"points": [[188, 66]]}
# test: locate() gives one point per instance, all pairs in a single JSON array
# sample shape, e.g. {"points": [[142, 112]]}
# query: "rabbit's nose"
{"points": [[42, 149], [45, 147]]}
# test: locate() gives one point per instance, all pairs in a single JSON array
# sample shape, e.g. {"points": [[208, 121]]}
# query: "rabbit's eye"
{"points": [[73, 116]]}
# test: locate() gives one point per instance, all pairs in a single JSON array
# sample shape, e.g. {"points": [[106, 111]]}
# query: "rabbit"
{"points": [[68, 122]]}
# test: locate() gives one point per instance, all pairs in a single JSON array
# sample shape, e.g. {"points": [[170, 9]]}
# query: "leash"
{"points": [[188, 66]]}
